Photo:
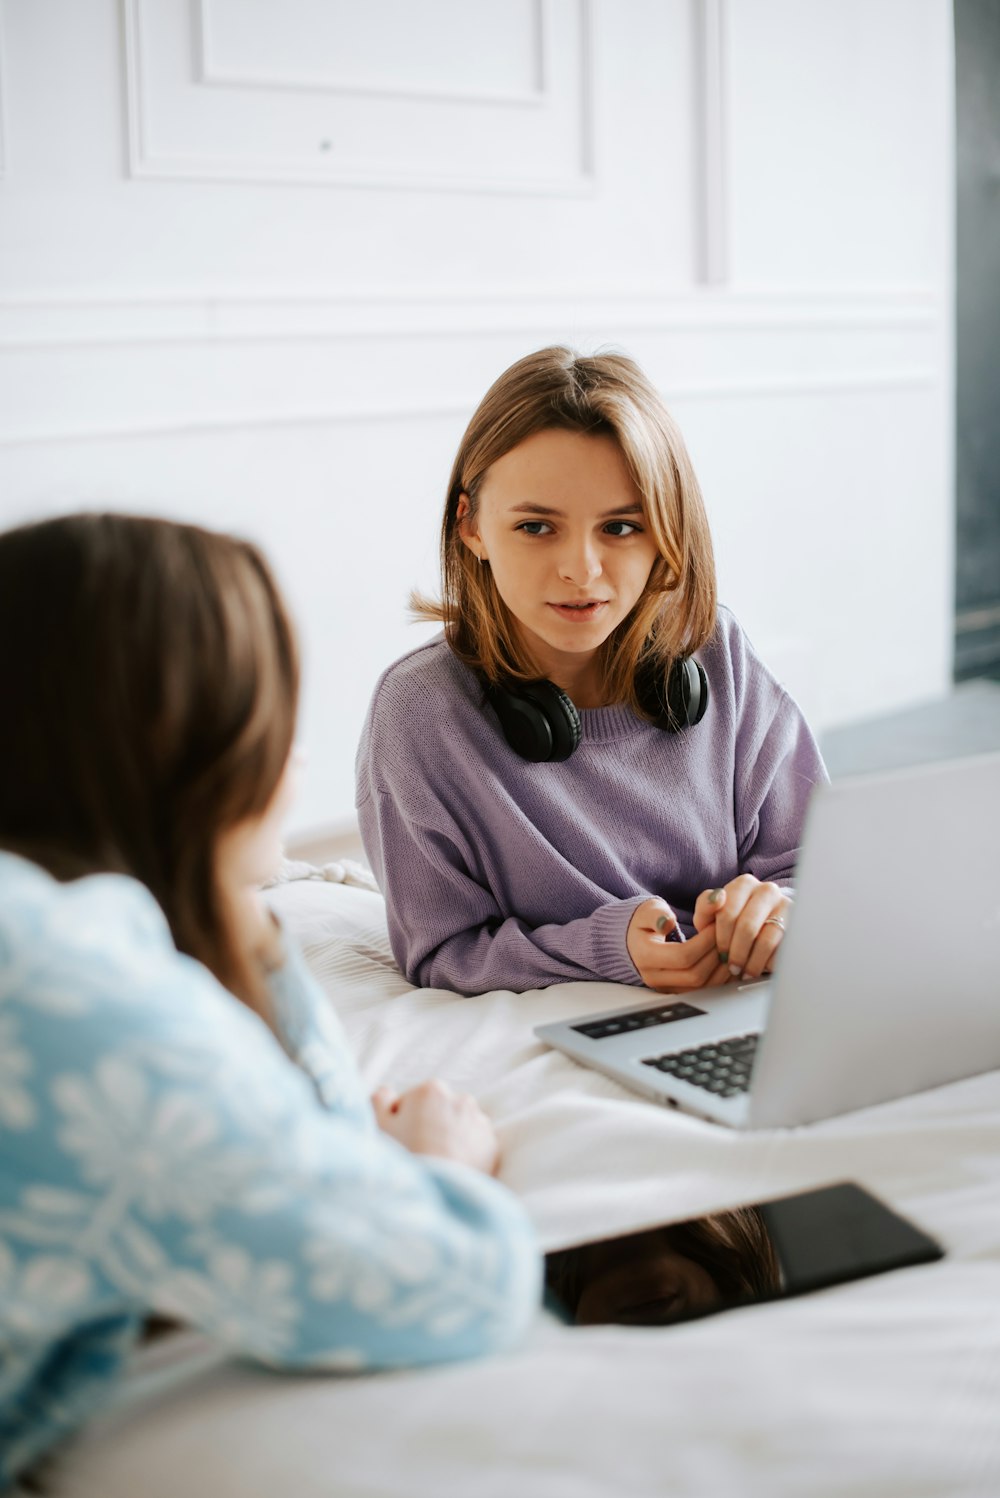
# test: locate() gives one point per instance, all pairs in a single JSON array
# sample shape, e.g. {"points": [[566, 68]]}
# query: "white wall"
{"points": [[259, 260]]}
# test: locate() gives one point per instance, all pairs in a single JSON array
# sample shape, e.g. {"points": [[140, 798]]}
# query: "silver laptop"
{"points": [[888, 980]]}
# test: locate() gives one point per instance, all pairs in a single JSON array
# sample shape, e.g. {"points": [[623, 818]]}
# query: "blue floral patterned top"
{"points": [[162, 1153]]}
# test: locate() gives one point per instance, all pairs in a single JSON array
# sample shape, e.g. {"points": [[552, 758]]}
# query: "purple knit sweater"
{"points": [[499, 873]]}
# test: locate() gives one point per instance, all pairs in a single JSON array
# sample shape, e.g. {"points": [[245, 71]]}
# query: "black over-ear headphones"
{"points": [[541, 723]]}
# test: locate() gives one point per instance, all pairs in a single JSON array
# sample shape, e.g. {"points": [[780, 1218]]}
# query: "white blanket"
{"points": [[886, 1387]]}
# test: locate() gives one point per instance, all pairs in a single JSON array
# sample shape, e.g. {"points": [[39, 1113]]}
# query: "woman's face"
{"points": [[561, 523]]}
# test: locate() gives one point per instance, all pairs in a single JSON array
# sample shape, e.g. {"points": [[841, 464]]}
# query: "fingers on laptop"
{"points": [[749, 929]]}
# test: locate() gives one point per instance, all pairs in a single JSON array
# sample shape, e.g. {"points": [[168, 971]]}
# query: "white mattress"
{"points": [[887, 1387]]}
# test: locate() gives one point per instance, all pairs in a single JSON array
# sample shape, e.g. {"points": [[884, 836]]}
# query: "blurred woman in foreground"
{"points": [[185, 1131]]}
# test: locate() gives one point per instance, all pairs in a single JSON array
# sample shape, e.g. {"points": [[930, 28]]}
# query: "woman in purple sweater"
{"points": [[591, 774]]}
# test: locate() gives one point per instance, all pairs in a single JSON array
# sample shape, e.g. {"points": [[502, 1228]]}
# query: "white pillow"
{"points": [[314, 909]]}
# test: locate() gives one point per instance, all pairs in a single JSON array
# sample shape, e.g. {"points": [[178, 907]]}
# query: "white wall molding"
{"points": [[782, 385], [242, 421], [213, 72], [586, 88], [887, 294], [3, 98], [76, 321], [135, 119], [711, 135], [318, 160]]}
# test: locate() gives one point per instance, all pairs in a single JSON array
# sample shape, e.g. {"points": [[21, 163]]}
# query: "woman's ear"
{"points": [[467, 526]]}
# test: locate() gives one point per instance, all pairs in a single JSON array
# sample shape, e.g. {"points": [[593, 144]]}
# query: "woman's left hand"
{"points": [[749, 922]]}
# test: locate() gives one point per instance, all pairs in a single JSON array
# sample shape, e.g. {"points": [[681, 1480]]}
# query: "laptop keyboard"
{"points": [[723, 1067], [636, 1019]]}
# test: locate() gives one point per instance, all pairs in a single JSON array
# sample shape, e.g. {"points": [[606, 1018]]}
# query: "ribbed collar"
{"points": [[600, 725]]}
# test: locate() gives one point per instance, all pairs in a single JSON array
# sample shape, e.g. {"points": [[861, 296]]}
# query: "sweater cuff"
{"points": [[610, 926]]}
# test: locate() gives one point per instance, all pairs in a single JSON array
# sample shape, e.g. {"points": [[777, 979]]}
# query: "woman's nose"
{"points": [[580, 562]]}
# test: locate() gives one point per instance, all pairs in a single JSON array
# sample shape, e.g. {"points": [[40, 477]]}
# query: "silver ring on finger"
{"points": [[775, 920]]}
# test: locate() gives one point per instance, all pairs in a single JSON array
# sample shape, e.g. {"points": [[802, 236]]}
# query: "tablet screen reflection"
{"points": [[666, 1274]]}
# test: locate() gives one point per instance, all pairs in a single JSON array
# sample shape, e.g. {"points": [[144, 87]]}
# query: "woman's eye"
{"points": [[621, 528], [534, 527]]}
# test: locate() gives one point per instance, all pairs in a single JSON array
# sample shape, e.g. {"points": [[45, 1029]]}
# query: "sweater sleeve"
{"points": [[447, 930], [778, 764], [175, 1156], [314, 1038]]}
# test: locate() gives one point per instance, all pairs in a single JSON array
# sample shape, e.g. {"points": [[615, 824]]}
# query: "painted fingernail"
{"points": [[723, 957], [662, 922], [714, 896], [736, 971]]}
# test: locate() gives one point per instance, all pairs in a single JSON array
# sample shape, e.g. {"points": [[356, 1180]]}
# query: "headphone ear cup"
{"points": [[687, 692], [679, 702], [563, 718], [539, 721]]}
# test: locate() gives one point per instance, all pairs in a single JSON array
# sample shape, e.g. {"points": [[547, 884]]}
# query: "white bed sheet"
{"points": [[888, 1387]]}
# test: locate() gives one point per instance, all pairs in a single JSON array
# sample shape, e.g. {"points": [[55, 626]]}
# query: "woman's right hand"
{"points": [[667, 965], [432, 1119]]}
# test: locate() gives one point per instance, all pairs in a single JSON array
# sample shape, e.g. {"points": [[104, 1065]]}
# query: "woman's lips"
{"points": [[579, 613]]}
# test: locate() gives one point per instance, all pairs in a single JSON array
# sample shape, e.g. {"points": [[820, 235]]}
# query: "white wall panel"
{"points": [[495, 49], [615, 218], [837, 117], [388, 94]]}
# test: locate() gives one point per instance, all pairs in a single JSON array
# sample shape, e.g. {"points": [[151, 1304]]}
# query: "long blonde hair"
{"points": [[604, 394]]}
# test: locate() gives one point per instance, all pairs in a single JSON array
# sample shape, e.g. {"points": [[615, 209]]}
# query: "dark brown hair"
{"points": [[603, 394], [149, 677]]}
